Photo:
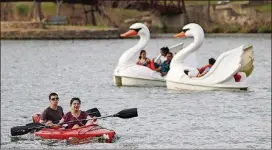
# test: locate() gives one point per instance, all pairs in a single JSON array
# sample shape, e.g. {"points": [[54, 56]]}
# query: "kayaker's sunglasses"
{"points": [[55, 99]]}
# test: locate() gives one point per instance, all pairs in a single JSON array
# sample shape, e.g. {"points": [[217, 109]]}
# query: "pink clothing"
{"points": [[69, 117]]}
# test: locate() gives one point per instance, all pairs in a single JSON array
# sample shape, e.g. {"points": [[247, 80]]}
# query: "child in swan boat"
{"points": [[204, 70], [155, 65], [143, 60], [164, 51]]}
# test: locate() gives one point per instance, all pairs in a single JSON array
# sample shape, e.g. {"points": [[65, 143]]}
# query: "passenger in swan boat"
{"points": [[143, 60], [165, 66], [202, 71], [155, 65], [164, 51], [76, 115], [53, 113]]}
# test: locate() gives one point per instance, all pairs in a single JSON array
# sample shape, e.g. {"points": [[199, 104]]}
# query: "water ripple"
{"points": [[30, 70]]}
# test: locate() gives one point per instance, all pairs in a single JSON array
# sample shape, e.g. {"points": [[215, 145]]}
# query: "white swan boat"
{"points": [[128, 73], [221, 75]]}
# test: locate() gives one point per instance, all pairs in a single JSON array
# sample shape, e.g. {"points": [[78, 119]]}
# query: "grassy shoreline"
{"points": [[20, 11]]}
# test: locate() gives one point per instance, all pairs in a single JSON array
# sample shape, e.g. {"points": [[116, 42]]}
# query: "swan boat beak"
{"points": [[181, 34], [129, 33]]}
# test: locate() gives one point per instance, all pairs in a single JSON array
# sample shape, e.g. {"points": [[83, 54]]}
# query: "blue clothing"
{"points": [[156, 65], [165, 66], [207, 69]]}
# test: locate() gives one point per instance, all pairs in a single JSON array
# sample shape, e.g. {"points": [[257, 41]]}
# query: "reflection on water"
{"points": [[30, 70]]}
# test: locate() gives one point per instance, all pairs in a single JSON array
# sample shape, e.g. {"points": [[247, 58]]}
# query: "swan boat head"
{"points": [[127, 67], [135, 29], [190, 30]]}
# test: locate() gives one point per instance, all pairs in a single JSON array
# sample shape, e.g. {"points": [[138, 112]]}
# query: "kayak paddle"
{"points": [[124, 114], [94, 112], [21, 130]]}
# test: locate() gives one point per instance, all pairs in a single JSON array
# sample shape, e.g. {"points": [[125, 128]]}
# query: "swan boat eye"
{"points": [[184, 30], [137, 30]]}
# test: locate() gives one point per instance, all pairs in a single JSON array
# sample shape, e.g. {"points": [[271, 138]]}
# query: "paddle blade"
{"points": [[19, 130], [127, 113], [94, 112]]}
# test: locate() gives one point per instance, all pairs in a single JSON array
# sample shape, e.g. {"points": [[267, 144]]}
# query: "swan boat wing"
{"points": [[247, 63], [226, 65]]}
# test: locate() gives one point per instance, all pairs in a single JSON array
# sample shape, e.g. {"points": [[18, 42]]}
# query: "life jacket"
{"points": [[201, 70], [151, 65]]}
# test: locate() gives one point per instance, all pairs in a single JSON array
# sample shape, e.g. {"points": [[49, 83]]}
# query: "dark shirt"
{"points": [[69, 117], [52, 115], [165, 66]]}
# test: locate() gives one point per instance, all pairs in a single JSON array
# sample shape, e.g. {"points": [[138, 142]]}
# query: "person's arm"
{"points": [[163, 73], [91, 120], [158, 69], [62, 113], [63, 119], [159, 62], [137, 62], [203, 73], [43, 117]]}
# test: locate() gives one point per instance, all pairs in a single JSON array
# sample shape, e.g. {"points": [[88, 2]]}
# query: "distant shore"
{"points": [[32, 30]]}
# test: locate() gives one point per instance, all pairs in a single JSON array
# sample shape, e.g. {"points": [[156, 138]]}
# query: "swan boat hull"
{"points": [[138, 82], [198, 87]]}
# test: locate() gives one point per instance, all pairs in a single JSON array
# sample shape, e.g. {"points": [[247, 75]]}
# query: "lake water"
{"points": [[30, 70]]}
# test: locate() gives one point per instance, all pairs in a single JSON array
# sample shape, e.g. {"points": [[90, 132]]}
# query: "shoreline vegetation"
{"points": [[15, 22]]}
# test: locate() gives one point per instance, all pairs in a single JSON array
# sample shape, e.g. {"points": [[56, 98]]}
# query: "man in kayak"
{"points": [[76, 117], [52, 114]]}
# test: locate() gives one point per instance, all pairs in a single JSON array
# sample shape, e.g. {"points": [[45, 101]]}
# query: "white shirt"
{"points": [[163, 58]]}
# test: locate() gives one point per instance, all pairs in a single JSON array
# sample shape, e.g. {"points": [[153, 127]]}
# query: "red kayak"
{"points": [[85, 132]]}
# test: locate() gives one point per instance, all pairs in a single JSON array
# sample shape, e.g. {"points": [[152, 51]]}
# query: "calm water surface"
{"points": [[30, 70]]}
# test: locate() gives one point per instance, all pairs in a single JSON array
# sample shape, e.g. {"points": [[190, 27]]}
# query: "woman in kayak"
{"points": [[76, 117]]}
